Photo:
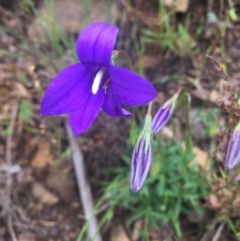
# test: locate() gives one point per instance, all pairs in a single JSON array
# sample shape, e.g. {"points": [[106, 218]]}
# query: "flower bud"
{"points": [[164, 114], [141, 157], [233, 151]]}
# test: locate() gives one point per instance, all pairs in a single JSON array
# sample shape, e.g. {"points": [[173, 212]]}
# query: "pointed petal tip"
{"points": [[134, 189], [68, 90], [77, 133], [82, 118], [127, 113], [76, 130], [112, 106], [46, 111], [131, 115], [42, 112], [131, 88]]}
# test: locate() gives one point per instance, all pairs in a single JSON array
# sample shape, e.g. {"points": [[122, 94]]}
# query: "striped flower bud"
{"points": [[233, 151], [164, 114], [141, 157]]}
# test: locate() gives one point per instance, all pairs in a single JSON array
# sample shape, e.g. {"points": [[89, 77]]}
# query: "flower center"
{"points": [[97, 81], [105, 86]]}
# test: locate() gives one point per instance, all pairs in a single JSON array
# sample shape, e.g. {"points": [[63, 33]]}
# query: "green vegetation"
{"points": [[173, 188]]}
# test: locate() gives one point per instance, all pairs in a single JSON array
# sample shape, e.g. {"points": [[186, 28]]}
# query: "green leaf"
{"points": [[25, 110]]}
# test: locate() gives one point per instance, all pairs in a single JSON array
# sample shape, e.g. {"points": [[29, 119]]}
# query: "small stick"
{"points": [[101, 209], [83, 185], [218, 233], [152, 21], [226, 77], [9, 164], [209, 7], [207, 234], [149, 110]]}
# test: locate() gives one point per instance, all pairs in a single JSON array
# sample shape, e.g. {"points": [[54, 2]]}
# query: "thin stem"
{"points": [[179, 90], [9, 164], [83, 184], [128, 58], [149, 110]]}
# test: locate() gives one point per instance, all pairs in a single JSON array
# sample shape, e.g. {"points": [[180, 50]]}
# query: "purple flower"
{"points": [[233, 151], [141, 157], [164, 114], [83, 89]]}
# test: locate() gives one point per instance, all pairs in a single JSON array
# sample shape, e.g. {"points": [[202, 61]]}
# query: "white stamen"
{"points": [[97, 81]]}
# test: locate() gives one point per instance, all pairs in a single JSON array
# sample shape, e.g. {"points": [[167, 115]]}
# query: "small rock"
{"points": [[195, 217], [201, 158], [118, 234], [179, 5], [43, 195], [147, 61], [64, 185], [43, 155], [26, 236], [25, 176], [136, 229], [2, 231]]}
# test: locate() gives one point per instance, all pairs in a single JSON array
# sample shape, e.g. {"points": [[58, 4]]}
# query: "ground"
{"points": [[39, 194]]}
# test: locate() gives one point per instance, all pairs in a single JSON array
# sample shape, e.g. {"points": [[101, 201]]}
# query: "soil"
{"points": [[45, 201]]}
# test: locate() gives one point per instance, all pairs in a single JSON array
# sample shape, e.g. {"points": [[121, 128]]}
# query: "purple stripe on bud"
{"points": [[164, 113], [161, 118], [233, 151], [141, 163]]}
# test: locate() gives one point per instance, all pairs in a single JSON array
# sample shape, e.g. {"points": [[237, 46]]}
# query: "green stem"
{"points": [[127, 56], [149, 110]]}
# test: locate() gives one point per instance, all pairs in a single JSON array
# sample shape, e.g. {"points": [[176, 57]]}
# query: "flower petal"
{"points": [[140, 165], [112, 106], [83, 117], [96, 43], [130, 88], [69, 90]]}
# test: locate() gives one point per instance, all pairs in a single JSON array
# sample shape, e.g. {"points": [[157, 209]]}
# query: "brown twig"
{"points": [[209, 6], [218, 233], [151, 21], [9, 164], [206, 235], [101, 209], [226, 77]]}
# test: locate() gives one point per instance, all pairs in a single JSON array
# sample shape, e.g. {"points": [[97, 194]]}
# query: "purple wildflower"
{"points": [[141, 157], [233, 151], [83, 89], [164, 114]]}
